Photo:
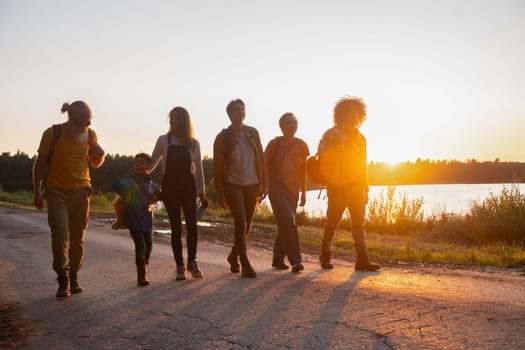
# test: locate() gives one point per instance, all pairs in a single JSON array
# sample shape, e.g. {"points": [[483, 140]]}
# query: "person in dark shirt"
{"points": [[286, 162], [343, 158], [137, 194]]}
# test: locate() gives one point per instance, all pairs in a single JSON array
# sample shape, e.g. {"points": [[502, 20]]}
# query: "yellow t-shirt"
{"points": [[69, 169]]}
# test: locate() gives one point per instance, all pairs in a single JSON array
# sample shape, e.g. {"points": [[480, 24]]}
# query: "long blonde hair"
{"points": [[187, 126]]}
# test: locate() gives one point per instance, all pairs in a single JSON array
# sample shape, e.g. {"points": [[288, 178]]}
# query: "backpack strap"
{"points": [[57, 131]]}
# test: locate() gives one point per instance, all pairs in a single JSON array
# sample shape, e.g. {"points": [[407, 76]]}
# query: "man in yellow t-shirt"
{"points": [[65, 152]]}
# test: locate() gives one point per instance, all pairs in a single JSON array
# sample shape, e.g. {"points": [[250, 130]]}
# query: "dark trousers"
{"points": [[340, 198], [241, 201], [284, 206], [174, 201], [67, 215], [143, 245]]}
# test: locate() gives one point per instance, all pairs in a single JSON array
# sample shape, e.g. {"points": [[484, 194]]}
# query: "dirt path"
{"points": [[412, 308]]}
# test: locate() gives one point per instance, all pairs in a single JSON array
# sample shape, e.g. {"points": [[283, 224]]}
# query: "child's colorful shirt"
{"points": [[137, 193]]}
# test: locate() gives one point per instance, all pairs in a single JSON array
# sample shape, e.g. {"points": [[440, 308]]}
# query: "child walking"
{"points": [[137, 194]]}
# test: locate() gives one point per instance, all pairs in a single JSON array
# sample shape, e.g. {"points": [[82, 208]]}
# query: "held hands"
{"points": [[261, 196], [96, 154], [302, 202], [222, 201], [38, 200], [204, 201]]}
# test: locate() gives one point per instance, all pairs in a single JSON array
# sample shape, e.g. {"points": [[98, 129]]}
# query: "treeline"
{"points": [[446, 172], [16, 170]]}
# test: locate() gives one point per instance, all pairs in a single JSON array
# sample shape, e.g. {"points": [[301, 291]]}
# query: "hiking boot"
{"points": [[280, 265], [362, 263], [248, 271], [63, 287], [193, 267], [297, 267], [142, 278], [366, 266], [181, 273], [75, 287], [324, 259], [234, 263]]}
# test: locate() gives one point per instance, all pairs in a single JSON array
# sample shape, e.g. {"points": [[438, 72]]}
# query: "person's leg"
{"points": [[357, 207], [250, 194], [149, 246], [280, 208], [173, 207], [279, 251], [78, 221], [189, 206], [58, 219], [334, 212], [139, 238], [140, 246], [291, 238], [235, 198]]}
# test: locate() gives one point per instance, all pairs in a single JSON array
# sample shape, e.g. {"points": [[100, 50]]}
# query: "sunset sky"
{"points": [[442, 79]]}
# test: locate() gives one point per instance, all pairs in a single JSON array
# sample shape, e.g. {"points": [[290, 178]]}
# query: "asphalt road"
{"points": [[423, 308]]}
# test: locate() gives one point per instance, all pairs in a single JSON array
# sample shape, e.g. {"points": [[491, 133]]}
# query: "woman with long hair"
{"points": [[182, 182]]}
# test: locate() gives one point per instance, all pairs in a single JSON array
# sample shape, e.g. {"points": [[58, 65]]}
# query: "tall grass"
{"points": [[18, 197], [500, 217], [395, 214], [102, 201]]}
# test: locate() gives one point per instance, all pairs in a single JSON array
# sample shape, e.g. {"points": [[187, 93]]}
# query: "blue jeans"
{"points": [[284, 206], [241, 201], [340, 198]]}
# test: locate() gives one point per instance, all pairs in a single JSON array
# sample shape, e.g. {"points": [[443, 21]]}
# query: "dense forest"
{"points": [[15, 172]]}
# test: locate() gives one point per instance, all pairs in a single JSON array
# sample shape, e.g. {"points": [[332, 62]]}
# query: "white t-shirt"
{"points": [[242, 166]]}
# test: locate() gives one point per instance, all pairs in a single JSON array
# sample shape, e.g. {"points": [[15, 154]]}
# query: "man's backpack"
{"points": [[313, 170], [57, 131]]}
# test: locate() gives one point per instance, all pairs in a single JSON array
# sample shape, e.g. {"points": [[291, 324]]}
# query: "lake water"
{"points": [[437, 198]]}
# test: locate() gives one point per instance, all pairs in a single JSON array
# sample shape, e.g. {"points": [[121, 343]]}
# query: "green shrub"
{"points": [[499, 217], [397, 214], [18, 197], [264, 213], [102, 202]]}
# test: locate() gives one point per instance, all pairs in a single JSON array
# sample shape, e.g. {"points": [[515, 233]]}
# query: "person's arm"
{"points": [[269, 154], [39, 168], [305, 153], [263, 192], [218, 167], [365, 175], [157, 154], [40, 165], [96, 152], [97, 156], [199, 173]]}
